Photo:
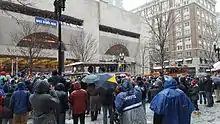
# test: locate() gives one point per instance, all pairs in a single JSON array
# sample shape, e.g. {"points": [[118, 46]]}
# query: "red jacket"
{"points": [[78, 99], [1, 104]]}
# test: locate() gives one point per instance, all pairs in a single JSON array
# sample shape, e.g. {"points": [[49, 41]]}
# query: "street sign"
{"points": [[44, 21]]}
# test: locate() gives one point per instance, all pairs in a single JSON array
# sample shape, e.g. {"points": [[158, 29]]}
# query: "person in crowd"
{"points": [[45, 103], [78, 100], [129, 104], [202, 92], [7, 112], [163, 105], [94, 101], [1, 106], [183, 85], [63, 98], [208, 88], [143, 89], [107, 100], [55, 79], [155, 89], [2, 92], [19, 104], [194, 94], [217, 87]]}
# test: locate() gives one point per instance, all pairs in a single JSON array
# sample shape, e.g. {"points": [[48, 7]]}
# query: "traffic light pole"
{"points": [[59, 5]]}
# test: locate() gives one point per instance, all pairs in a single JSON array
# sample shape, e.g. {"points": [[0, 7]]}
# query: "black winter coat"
{"points": [[208, 87], [63, 97], [7, 112]]}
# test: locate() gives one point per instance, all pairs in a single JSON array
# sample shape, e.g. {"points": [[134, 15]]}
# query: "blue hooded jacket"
{"points": [[2, 92], [128, 99], [172, 104], [20, 100]]}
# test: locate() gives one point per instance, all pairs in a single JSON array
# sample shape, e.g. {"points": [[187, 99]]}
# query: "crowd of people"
{"points": [[49, 100]]}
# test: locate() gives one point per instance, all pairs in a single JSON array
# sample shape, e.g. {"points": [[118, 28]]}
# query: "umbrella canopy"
{"points": [[216, 79], [89, 79], [216, 66], [106, 81]]}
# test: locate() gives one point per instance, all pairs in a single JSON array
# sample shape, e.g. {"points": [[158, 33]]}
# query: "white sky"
{"points": [[131, 4]]}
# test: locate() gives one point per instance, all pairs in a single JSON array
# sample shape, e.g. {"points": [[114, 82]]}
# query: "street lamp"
{"points": [[121, 58], [59, 6], [217, 50]]}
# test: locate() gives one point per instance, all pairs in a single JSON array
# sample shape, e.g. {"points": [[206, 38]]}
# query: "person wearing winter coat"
{"points": [[143, 88], [45, 103], [163, 105], [19, 104], [7, 112], [63, 106], [94, 101], [208, 88], [183, 85], [1, 106], [129, 105], [78, 100], [194, 94], [107, 102]]}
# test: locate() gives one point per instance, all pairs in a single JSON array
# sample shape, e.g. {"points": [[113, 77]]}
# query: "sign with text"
{"points": [[44, 21]]}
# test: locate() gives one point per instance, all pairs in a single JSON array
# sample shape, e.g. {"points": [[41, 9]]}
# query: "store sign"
{"points": [[44, 21]]}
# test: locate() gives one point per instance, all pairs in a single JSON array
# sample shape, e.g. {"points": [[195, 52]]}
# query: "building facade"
{"points": [[195, 20], [93, 17], [117, 3]]}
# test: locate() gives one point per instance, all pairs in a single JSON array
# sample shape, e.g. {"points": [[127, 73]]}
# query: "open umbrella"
{"points": [[216, 66], [89, 79], [216, 79], [106, 81]]}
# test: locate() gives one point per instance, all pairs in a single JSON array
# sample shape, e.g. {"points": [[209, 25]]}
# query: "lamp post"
{"points": [[217, 50], [59, 6], [121, 58]]}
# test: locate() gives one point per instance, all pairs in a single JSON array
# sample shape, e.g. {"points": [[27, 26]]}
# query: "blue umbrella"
{"points": [[104, 82], [216, 79], [89, 79]]}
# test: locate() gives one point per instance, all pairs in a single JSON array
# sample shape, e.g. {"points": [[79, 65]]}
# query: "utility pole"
{"points": [[59, 6]]}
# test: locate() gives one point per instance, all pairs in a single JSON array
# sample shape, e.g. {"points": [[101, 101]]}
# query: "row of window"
{"points": [[187, 54], [207, 4]]}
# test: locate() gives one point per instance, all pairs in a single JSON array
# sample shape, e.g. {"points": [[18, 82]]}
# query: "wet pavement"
{"points": [[207, 116]]}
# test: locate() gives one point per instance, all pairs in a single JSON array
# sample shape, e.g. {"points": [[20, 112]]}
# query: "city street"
{"points": [[208, 116]]}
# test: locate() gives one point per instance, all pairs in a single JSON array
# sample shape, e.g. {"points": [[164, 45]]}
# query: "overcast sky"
{"points": [[131, 4]]}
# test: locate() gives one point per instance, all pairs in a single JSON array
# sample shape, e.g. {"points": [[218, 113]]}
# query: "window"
{"points": [[177, 3], [188, 46], [186, 17], [185, 2], [179, 47], [189, 62], [179, 41], [178, 33], [186, 24], [179, 55], [186, 11], [188, 54], [187, 32]]}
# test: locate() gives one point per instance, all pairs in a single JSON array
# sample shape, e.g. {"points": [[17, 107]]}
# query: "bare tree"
{"points": [[83, 46], [27, 42], [207, 43], [160, 25]]}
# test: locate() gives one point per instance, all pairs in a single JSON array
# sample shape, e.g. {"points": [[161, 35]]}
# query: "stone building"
{"points": [[115, 30]]}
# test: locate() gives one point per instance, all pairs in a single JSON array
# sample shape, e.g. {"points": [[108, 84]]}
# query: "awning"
{"points": [[179, 60], [166, 61], [189, 59], [159, 67]]}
